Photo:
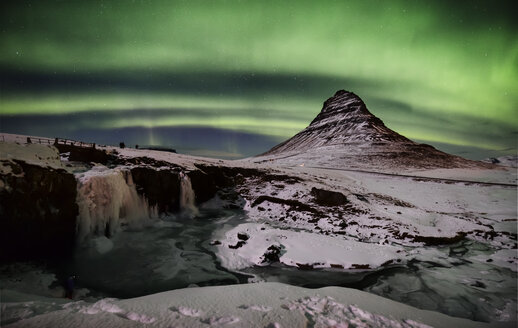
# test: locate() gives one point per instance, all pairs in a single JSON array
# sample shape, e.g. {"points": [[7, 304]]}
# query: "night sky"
{"points": [[233, 78]]}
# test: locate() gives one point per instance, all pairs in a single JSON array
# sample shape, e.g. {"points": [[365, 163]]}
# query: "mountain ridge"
{"points": [[346, 133]]}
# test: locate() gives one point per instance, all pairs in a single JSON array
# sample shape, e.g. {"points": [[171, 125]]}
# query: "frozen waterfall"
{"points": [[107, 199], [187, 197]]}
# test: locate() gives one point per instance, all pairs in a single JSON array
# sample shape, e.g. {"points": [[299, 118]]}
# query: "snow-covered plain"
{"points": [[443, 244], [249, 305]]}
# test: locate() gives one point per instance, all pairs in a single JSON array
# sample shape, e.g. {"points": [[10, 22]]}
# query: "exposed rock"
{"points": [[510, 161], [38, 212], [243, 236], [432, 241], [84, 154], [479, 284], [385, 199], [362, 198], [360, 266], [143, 160], [224, 176], [288, 179], [387, 263], [160, 187], [328, 198], [294, 204], [304, 266], [272, 254], [203, 184], [239, 244]]}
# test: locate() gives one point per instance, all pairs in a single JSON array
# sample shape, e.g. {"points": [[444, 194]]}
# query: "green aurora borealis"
{"points": [[440, 72]]}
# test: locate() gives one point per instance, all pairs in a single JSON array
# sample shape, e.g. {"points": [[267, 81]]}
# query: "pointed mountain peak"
{"points": [[344, 100], [345, 105], [345, 132]]}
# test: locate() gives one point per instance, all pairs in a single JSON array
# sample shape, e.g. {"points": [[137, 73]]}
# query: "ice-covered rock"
{"points": [[108, 198], [187, 197]]}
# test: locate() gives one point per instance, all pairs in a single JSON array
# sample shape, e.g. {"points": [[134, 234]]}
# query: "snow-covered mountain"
{"points": [[346, 135]]}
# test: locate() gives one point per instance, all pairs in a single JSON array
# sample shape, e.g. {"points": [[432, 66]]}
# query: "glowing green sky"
{"points": [[436, 71]]}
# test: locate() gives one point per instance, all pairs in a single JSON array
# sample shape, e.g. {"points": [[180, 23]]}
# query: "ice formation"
{"points": [[107, 199], [187, 197]]}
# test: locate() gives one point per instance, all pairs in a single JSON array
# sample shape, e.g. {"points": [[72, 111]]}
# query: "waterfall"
{"points": [[187, 197], [107, 199]]}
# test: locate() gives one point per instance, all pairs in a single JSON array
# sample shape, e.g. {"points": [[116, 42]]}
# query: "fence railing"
{"points": [[74, 143], [46, 141]]}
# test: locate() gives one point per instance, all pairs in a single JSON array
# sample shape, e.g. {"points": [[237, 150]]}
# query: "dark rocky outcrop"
{"points": [[160, 187], [434, 241], [328, 198], [243, 236], [84, 154], [272, 254], [304, 266], [203, 185], [239, 244], [226, 176], [38, 213], [294, 204], [142, 160], [360, 266]]}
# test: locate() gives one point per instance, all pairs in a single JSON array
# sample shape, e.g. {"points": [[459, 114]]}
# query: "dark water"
{"points": [[173, 253]]}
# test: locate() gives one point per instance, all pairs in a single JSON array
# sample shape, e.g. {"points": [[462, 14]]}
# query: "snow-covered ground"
{"points": [[510, 161], [249, 305], [443, 240]]}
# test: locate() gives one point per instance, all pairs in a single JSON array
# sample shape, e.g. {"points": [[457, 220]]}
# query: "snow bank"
{"points": [[301, 249], [510, 161], [36, 154], [279, 305], [107, 198]]}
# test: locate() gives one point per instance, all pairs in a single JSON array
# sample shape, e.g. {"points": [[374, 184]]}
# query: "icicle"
{"points": [[107, 198], [187, 197]]}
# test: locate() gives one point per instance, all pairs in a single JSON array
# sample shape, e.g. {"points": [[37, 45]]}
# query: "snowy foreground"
{"points": [[250, 305], [441, 240]]}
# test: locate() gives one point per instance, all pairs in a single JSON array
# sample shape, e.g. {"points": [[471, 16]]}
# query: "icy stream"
{"points": [[178, 252], [172, 253]]}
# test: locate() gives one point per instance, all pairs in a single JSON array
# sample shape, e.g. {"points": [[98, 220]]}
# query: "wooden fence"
{"points": [[55, 141]]}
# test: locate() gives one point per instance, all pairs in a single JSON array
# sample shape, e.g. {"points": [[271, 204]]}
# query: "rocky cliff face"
{"points": [[346, 135], [38, 212]]}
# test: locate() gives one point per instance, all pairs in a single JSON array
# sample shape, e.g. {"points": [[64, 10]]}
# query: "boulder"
{"points": [[272, 254], [328, 198]]}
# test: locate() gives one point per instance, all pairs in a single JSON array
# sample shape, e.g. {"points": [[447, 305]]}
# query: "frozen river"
{"points": [[179, 252]]}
